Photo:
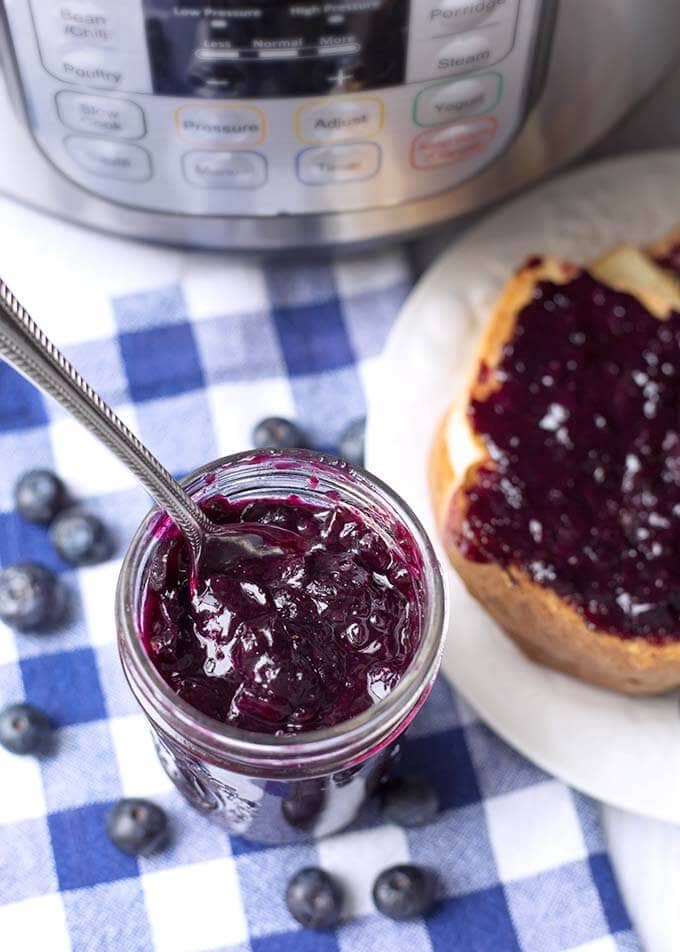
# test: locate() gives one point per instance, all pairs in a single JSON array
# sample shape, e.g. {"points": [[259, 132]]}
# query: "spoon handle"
{"points": [[25, 346]]}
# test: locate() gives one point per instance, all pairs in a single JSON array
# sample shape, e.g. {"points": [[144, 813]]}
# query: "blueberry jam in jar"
{"points": [[290, 641], [277, 685]]}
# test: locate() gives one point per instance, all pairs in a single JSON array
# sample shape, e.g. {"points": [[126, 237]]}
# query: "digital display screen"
{"points": [[272, 48]]}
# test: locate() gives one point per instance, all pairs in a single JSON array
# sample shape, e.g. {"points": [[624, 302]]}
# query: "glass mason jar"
{"points": [[281, 789]]}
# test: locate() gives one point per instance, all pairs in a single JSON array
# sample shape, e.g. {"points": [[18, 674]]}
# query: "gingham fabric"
{"points": [[192, 349]]}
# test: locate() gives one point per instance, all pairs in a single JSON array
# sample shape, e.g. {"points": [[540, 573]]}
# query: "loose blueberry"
{"points": [[80, 538], [277, 433], [404, 892], [31, 597], [39, 495], [314, 899], [351, 442], [409, 801], [137, 827], [24, 729]]}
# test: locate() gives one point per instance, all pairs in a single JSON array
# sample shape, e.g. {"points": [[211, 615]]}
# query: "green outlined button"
{"points": [[457, 99]]}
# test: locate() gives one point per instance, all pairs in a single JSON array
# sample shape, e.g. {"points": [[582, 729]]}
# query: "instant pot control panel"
{"points": [[273, 107]]}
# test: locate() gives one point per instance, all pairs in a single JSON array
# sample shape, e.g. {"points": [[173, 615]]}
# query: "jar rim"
{"points": [[326, 749]]}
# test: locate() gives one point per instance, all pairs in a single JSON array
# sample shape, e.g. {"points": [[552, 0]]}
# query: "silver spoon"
{"points": [[28, 349]]}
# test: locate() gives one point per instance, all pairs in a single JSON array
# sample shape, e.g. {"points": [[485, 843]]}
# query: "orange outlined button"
{"points": [[340, 120], [450, 144], [215, 127]]}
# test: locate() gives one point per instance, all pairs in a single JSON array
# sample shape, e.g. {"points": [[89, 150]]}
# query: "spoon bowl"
{"points": [[224, 544]]}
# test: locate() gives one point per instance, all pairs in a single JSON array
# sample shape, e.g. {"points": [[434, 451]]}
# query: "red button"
{"points": [[450, 144]]}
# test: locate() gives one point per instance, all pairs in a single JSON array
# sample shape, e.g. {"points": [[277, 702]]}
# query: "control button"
{"points": [[110, 159], [464, 54], [339, 76], [99, 114], [216, 80], [339, 163], [221, 125], [98, 43], [83, 22], [225, 169], [446, 17], [338, 120], [445, 101], [90, 67], [451, 144]]}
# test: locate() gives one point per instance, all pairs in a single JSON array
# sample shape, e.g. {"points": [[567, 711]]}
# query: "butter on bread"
{"points": [[544, 625]]}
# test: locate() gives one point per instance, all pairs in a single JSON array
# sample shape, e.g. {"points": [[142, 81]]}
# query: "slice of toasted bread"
{"points": [[661, 247], [627, 268], [666, 252], [545, 626]]}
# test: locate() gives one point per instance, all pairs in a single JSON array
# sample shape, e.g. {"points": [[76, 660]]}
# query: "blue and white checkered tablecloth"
{"points": [[192, 349]]}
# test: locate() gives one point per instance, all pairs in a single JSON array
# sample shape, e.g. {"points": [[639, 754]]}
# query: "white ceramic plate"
{"points": [[624, 751]]}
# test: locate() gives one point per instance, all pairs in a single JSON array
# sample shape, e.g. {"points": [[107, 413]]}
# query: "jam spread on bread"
{"points": [[581, 421], [286, 642]]}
